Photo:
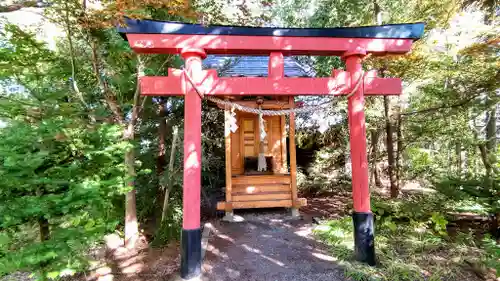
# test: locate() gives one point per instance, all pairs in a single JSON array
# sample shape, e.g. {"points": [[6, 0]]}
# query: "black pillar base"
{"points": [[364, 237], [191, 253]]}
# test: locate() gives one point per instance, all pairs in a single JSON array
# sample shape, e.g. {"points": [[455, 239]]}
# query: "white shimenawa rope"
{"points": [[261, 160], [267, 112]]}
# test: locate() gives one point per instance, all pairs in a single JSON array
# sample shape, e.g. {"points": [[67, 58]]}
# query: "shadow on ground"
{"points": [[141, 263], [268, 246]]}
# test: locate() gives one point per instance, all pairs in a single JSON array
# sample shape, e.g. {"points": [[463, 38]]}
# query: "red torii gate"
{"points": [[193, 42]]}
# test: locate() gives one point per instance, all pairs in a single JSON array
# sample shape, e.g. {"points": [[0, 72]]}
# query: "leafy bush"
{"points": [[491, 258], [483, 191], [411, 243], [415, 209], [58, 180], [61, 169], [170, 229]]}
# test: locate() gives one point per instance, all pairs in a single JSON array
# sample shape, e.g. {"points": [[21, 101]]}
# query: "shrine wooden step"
{"points": [[287, 203], [242, 189], [261, 179], [262, 196]]}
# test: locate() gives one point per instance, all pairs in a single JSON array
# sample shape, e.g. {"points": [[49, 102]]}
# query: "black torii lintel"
{"points": [[389, 31]]}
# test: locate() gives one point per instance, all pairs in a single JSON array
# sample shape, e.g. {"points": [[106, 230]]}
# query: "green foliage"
{"points": [[491, 258], [170, 229], [419, 207], [406, 251], [481, 190], [421, 162], [439, 222], [60, 171]]}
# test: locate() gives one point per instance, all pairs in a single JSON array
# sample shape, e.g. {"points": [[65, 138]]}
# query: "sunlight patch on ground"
{"points": [[104, 274], [135, 267], [257, 251], [324, 257], [304, 232], [225, 237], [233, 273], [113, 241], [323, 227], [250, 249], [216, 252], [416, 187]]}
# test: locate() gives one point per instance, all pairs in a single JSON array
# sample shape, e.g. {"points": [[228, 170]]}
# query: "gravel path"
{"points": [[268, 246]]}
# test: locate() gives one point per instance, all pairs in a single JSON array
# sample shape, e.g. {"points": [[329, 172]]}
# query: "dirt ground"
{"points": [[268, 245], [143, 263]]}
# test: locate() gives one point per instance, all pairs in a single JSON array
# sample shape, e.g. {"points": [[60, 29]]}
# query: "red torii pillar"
{"points": [[193, 42], [362, 216], [191, 231]]}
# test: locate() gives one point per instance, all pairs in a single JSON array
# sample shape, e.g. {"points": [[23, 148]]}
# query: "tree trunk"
{"points": [[458, 153], [43, 225], [491, 148], [399, 149], [482, 151], [166, 198], [348, 164], [488, 149], [377, 18], [377, 13], [390, 149], [491, 144], [109, 95], [160, 160], [162, 131], [491, 136], [131, 225], [484, 157], [374, 136]]}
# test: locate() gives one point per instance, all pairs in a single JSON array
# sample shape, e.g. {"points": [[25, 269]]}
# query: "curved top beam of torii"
{"points": [[148, 36]]}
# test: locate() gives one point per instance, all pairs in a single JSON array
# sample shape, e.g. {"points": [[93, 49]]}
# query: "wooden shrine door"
{"points": [[245, 142]]}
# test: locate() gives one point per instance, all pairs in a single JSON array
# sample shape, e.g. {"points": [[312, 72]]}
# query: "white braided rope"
{"points": [[267, 112]]}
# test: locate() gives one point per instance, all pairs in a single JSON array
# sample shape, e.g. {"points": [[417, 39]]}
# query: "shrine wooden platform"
{"points": [[261, 191]]}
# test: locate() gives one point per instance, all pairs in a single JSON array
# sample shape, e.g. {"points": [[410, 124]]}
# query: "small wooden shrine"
{"points": [[274, 186]]}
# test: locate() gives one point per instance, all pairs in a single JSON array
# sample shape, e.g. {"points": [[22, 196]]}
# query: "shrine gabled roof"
{"points": [[390, 31], [254, 66]]}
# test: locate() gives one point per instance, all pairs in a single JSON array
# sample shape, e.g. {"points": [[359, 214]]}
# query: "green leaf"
{"points": [[53, 274]]}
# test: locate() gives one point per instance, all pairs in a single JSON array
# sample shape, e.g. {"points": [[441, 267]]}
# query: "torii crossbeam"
{"points": [[194, 42]]}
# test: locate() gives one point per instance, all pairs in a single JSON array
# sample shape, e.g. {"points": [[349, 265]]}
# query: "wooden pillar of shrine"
{"points": [[293, 162], [229, 172], [364, 236]]}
